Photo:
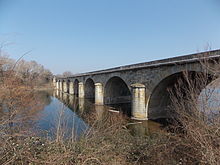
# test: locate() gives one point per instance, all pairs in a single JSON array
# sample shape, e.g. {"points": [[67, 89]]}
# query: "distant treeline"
{"points": [[26, 71]]}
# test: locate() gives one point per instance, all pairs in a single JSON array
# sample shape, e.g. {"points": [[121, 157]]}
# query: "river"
{"points": [[73, 116]]}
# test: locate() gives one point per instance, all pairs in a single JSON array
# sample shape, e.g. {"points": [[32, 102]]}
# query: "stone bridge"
{"points": [[143, 86]]}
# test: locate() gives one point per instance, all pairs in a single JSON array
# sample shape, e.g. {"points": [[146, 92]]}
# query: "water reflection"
{"points": [[76, 115], [65, 98], [73, 116], [144, 128], [57, 116], [73, 102]]}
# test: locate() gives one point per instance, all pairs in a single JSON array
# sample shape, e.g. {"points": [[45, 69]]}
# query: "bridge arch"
{"points": [[118, 94], [68, 85], [90, 89], [76, 87], [160, 101], [63, 84]]}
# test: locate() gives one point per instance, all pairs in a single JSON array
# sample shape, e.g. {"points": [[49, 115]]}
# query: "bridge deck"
{"points": [[156, 63]]}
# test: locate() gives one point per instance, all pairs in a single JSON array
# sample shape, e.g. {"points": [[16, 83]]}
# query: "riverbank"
{"points": [[109, 141]]}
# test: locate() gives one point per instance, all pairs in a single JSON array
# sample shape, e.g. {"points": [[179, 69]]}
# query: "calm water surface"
{"points": [[70, 114]]}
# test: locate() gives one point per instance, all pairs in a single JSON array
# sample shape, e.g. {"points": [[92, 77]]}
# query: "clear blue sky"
{"points": [[86, 35]]}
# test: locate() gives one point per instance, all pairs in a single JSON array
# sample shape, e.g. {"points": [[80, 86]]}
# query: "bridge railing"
{"points": [[168, 61]]}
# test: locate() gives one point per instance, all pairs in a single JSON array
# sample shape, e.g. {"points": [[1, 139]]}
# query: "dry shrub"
{"points": [[98, 146], [19, 100], [199, 140], [19, 106]]}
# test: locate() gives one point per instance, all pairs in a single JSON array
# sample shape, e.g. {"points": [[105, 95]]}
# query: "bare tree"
{"points": [[67, 74]]}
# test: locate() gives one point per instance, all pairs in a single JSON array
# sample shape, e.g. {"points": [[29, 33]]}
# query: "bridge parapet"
{"points": [[169, 61]]}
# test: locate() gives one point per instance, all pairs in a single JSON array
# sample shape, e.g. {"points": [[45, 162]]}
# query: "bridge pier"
{"points": [[61, 86], [71, 88], [138, 110], [99, 94], [54, 81], [65, 88], [81, 90], [57, 85]]}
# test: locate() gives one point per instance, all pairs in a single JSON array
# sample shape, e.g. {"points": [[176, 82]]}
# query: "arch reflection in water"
{"points": [[66, 99], [73, 102], [84, 109], [54, 93], [144, 128], [57, 115], [61, 95]]}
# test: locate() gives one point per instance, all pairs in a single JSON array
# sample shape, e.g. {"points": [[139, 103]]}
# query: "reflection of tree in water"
{"points": [[21, 115], [27, 107], [43, 97]]}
